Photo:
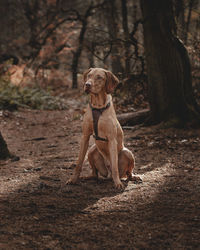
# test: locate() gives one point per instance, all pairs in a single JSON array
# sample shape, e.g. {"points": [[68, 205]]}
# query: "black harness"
{"points": [[96, 113]]}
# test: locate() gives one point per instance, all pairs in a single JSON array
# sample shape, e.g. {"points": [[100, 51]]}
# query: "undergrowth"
{"points": [[12, 97]]}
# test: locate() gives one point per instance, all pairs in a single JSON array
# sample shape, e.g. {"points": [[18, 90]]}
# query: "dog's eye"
{"points": [[88, 76], [98, 77]]}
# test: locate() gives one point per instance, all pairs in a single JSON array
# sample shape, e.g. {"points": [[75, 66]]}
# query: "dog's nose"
{"points": [[87, 87], [87, 84]]}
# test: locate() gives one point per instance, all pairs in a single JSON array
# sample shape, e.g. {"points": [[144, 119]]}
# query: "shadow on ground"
{"points": [[47, 214]]}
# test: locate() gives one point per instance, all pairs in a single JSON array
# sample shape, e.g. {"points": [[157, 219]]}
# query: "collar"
{"points": [[103, 108], [100, 109]]}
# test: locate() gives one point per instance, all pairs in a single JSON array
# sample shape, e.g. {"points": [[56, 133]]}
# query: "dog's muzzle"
{"points": [[87, 87]]}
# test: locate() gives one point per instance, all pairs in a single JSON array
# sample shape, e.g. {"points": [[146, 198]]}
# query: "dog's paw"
{"points": [[72, 181], [88, 178], [119, 185], [135, 179]]}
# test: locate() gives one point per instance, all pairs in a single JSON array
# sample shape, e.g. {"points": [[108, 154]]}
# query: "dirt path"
{"points": [[38, 211]]}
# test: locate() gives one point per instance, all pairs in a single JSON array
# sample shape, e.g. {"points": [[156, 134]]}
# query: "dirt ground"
{"points": [[39, 211]]}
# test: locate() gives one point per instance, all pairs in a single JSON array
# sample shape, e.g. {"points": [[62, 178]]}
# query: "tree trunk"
{"points": [[77, 53], [113, 30], [4, 152], [191, 4], [179, 12], [126, 36], [169, 74]]}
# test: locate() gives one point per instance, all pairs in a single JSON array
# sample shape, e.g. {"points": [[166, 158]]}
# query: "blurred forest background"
{"points": [[47, 44]]}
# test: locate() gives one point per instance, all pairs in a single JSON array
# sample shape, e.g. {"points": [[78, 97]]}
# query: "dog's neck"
{"points": [[99, 100]]}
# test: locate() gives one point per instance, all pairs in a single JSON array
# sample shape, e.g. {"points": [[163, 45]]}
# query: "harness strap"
{"points": [[96, 113]]}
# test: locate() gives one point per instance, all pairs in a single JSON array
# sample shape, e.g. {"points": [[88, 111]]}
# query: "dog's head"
{"points": [[97, 80]]}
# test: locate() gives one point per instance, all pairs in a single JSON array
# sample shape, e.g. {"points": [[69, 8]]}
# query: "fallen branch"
{"points": [[133, 118]]}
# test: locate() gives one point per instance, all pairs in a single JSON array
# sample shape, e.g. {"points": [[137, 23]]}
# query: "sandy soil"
{"points": [[39, 211]]}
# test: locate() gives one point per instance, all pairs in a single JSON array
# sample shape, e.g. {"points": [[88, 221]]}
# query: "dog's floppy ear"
{"points": [[85, 74], [111, 82]]}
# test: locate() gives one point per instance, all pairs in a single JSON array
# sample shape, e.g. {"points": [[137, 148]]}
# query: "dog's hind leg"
{"points": [[97, 162], [126, 163], [126, 166]]}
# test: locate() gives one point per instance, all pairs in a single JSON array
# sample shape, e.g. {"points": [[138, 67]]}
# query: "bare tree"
{"points": [[77, 53], [44, 19]]}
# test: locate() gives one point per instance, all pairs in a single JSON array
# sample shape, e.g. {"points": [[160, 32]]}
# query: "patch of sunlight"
{"points": [[18, 177], [146, 166], [15, 183], [143, 193]]}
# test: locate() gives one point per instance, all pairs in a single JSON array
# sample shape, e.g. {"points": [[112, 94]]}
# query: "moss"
{"points": [[174, 122], [12, 97]]}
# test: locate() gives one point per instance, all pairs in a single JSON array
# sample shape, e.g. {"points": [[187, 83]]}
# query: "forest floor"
{"points": [[39, 211]]}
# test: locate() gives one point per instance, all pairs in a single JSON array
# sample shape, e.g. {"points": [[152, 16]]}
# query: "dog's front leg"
{"points": [[112, 145], [83, 149]]}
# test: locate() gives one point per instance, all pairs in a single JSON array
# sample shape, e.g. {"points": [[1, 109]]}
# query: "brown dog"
{"points": [[108, 154]]}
